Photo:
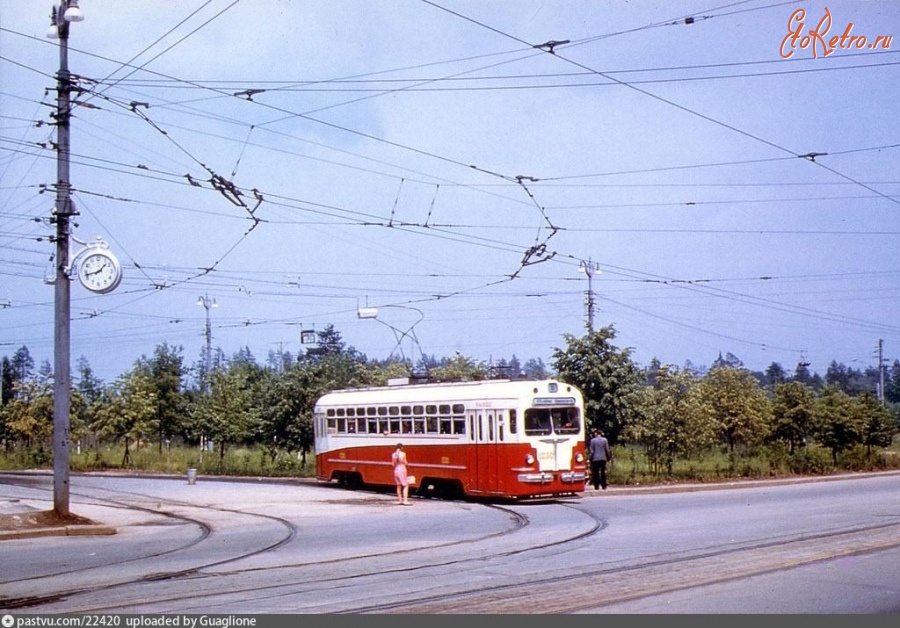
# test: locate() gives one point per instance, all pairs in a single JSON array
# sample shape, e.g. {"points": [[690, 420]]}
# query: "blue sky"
{"points": [[435, 161]]}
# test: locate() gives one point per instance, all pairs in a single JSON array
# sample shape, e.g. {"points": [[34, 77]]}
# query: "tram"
{"points": [[506, 439]]}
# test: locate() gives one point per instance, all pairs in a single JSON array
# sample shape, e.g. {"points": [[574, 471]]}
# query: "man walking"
{"points": [[600, 454]]}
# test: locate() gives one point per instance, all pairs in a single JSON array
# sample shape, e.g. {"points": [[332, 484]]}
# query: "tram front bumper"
{"points": [[535, 478], [543, 477]]}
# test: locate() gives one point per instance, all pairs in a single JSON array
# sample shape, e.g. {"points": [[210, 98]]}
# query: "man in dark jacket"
{"points": [[600, 454]]}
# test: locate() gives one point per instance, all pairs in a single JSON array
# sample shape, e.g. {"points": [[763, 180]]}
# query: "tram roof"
{"points": [[450, 390]]}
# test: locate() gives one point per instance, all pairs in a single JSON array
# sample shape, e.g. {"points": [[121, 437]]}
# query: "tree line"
{"points": [[672, 413]]}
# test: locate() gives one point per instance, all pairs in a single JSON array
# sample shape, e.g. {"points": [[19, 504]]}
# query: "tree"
{"points": [[89, 385], [127, 409], [460, 368], [22, 364], [28, 417], [729, 361], [330, 343], [671, 422], [774, 375], [793, 409], [536, 369], [45, 373], [606, 376], [851, 381], [878, 427], [286, 417], [21, 367], [892, 384], [804, 376], [230, 413], [6, 381], [738, 405], [838, 426], [279, 361], [166, 371]]}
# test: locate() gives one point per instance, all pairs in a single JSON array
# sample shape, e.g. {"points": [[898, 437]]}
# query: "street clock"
{"points": [[100, 271]]}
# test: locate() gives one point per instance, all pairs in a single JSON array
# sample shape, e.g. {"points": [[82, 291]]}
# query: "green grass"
{"points": [[238, 461], [630, 465]]}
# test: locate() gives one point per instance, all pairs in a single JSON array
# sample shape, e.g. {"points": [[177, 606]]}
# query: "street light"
{"points": [[589, 268], [208, 303], [67, 11]]}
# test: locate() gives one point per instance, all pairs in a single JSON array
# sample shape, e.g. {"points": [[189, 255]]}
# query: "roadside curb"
{"points": [[74, 530]]}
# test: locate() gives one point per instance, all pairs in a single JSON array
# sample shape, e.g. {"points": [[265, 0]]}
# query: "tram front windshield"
{"points": [[543, 421]]}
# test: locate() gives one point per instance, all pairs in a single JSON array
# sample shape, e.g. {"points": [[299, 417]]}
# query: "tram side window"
{"points": [[383, 427], [373, 425], [446, 425], [513, 427], [459, 418], [537, 422], [431, 425], [418, 419]]}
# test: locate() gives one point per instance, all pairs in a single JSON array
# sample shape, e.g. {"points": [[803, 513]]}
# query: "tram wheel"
{"points": [[448, 491]]}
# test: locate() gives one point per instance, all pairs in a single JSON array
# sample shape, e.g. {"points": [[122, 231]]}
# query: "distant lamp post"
{"points": [[207, 303], [589, 268], [371, 313], [67, 11]]}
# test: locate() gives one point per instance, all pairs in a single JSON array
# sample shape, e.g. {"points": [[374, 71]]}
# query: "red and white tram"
{"points": [[497, 438]]}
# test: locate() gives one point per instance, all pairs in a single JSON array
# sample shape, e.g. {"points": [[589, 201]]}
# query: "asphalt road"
{"points": [[267, 547]]}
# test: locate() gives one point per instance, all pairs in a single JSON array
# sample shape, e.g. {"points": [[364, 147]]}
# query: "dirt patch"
{"points": [[41, 519]]}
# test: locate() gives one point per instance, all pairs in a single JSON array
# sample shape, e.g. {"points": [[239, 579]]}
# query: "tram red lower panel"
{"points": [[488, 470]]}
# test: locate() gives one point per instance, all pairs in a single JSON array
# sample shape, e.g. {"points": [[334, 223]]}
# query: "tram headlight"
{"points": [[579, 457], [529, 459]]}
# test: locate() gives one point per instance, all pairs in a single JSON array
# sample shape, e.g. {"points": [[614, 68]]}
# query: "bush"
{"points": [[630, 464], [811, 460]]}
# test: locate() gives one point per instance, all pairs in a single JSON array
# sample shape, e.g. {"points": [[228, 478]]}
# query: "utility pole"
{"points": [[881, 370], [67, 11], [589, 268]]}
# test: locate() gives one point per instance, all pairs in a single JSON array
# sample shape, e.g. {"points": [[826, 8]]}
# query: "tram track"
{"points": [[299, 574], [133, 502], [483, 574], [597, 587]]}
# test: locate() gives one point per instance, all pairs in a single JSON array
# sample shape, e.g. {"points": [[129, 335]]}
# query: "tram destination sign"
{"points": [[553, 401]]}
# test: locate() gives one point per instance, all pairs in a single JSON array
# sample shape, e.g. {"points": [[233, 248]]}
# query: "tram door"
{"points": [[485, 433]]}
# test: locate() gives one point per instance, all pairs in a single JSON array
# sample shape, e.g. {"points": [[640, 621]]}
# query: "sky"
{"points": [[720, 180]]}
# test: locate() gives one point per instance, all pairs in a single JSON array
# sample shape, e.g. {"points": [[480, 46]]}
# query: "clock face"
{"points": [[100, 272]]}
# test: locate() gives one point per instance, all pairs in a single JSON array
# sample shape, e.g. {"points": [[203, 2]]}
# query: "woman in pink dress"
{"points": [[401, 475]]}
